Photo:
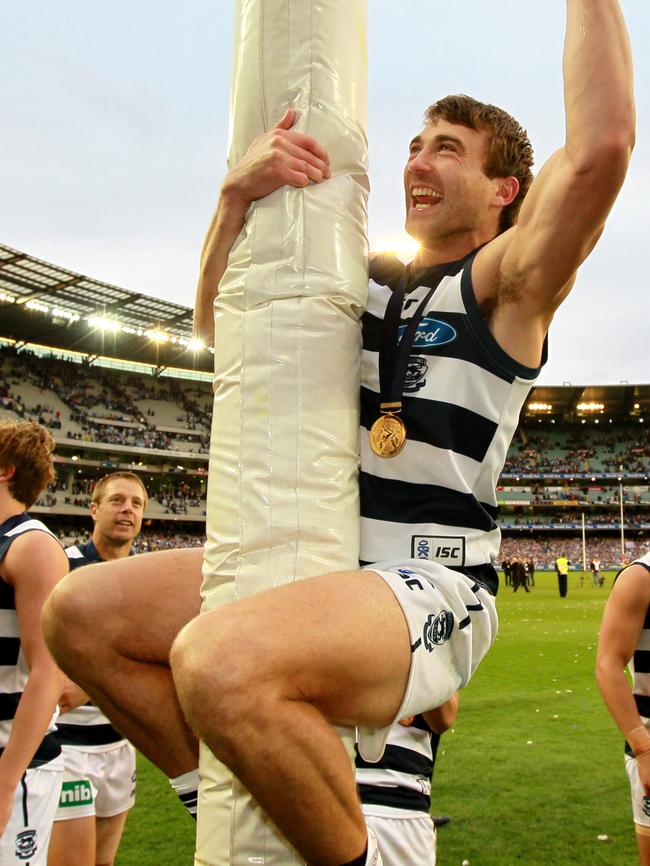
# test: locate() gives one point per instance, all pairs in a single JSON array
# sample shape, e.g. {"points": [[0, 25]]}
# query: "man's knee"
{"points": [[71, 612], [216, 674]]}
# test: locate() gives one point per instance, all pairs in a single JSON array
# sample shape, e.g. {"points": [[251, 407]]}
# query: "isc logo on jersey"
{"points": [[431, 332], [446, 549], [76, 793]]}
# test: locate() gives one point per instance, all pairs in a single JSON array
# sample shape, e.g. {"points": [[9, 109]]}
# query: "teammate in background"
{"points": [[625, 639], [31, 563], [395, 793], [99, 782], [562, 569], [399, 637]]}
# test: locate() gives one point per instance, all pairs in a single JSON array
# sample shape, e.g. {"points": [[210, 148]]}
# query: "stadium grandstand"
{"points": [[120, 382]]}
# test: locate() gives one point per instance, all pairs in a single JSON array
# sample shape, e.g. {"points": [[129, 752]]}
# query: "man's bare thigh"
{"points": [[339, 641], [143, 601]]}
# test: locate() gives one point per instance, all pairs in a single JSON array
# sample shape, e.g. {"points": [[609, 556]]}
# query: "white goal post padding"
{"points": [[282, 488]]}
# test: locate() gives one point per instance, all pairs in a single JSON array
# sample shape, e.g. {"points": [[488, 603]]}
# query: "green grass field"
{"points": [[532, 772]]}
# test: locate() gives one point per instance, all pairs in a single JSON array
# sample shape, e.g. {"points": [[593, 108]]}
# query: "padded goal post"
{"points": [[282, 488]]}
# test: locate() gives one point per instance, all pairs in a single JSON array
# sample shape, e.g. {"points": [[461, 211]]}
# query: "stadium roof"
{"points": [[50, 306]]}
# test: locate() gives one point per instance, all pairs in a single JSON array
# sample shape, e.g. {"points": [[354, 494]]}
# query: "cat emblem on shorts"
{"points": [[438, 629], [26, 844]]}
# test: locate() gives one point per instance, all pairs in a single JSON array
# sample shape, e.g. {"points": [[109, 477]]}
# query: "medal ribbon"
{"points": [[394, 353]]}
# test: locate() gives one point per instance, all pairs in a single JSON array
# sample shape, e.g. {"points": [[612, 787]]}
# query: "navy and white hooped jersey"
{"points": [[14, 671], [86, 727], [401, 779], [640, 663], [436, 499]]}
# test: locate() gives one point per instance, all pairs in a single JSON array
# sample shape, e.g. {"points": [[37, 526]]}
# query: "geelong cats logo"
{"points": [[438, 629]]}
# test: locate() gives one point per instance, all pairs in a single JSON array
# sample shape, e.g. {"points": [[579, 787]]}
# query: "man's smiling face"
{"points": [[447, 191], [118, 515]]}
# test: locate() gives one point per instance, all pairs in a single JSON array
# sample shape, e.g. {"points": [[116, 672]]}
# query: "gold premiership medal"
{"points": [[387, 435]]}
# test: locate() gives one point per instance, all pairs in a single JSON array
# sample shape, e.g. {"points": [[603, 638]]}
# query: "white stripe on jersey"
{"points": [[73, 552], [412, 739], [390, 535], [456, 467], [489, 392], [27, 526], [446, 302], [84, 715], [9, 624]]}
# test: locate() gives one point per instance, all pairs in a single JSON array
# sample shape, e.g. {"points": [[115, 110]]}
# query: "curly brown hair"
{"points": [[28, 447], [509, 152]]}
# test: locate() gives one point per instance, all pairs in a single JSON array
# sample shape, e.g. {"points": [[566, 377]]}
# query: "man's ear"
{"points": [[7, 472], [506, 191], [93, 511]]}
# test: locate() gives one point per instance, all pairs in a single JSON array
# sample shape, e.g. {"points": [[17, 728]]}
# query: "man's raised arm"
{"points": [[530, 269]]}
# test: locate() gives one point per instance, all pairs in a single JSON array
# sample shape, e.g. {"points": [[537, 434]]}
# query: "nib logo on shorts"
{"points": [[438, 629], [76, 793], [26, 845]]}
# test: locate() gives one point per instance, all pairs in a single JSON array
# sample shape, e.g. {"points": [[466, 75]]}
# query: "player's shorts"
{"points": [[639, 804], [97, 783], [27, 835], [404, 838], [452, 621]]}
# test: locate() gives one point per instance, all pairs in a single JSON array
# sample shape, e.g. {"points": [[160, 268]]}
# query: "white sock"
{"points": [[186, 787]]}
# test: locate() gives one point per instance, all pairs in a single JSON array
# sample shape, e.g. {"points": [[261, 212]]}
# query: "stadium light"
{"points": [[103, 323], [36, 305], [590, 407], [402, 246], [60, 313], [7, 299], [157, 336], [540, 407], [195, 344]]}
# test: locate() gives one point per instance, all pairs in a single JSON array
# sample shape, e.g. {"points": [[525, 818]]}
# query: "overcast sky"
{"points": [[114, 134]]}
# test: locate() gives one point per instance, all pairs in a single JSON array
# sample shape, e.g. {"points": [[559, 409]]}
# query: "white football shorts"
{"points": [[404, 838], [27, 835], [97, 783], [452, 621], [640, 803]]}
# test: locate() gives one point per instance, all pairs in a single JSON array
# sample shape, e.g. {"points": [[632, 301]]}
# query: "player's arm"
{"points": [[280, 157], [621, 627], [34, 563], [72, 696], [531, 268], [443, 717]]}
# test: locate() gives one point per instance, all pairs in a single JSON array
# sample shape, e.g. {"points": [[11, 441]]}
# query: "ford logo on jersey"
{"points": [[431, 332]]}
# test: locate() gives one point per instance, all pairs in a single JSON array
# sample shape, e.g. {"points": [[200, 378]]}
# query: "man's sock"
{"points": [[186, 786]]}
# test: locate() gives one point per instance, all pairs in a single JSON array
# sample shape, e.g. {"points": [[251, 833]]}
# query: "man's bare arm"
{"points": [[279, 157], [619, 634], [34, 564], [443, 717], [530, 269]]}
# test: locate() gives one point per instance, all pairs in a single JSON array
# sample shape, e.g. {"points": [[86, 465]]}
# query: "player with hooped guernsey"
{"points": [[367, 647]]}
